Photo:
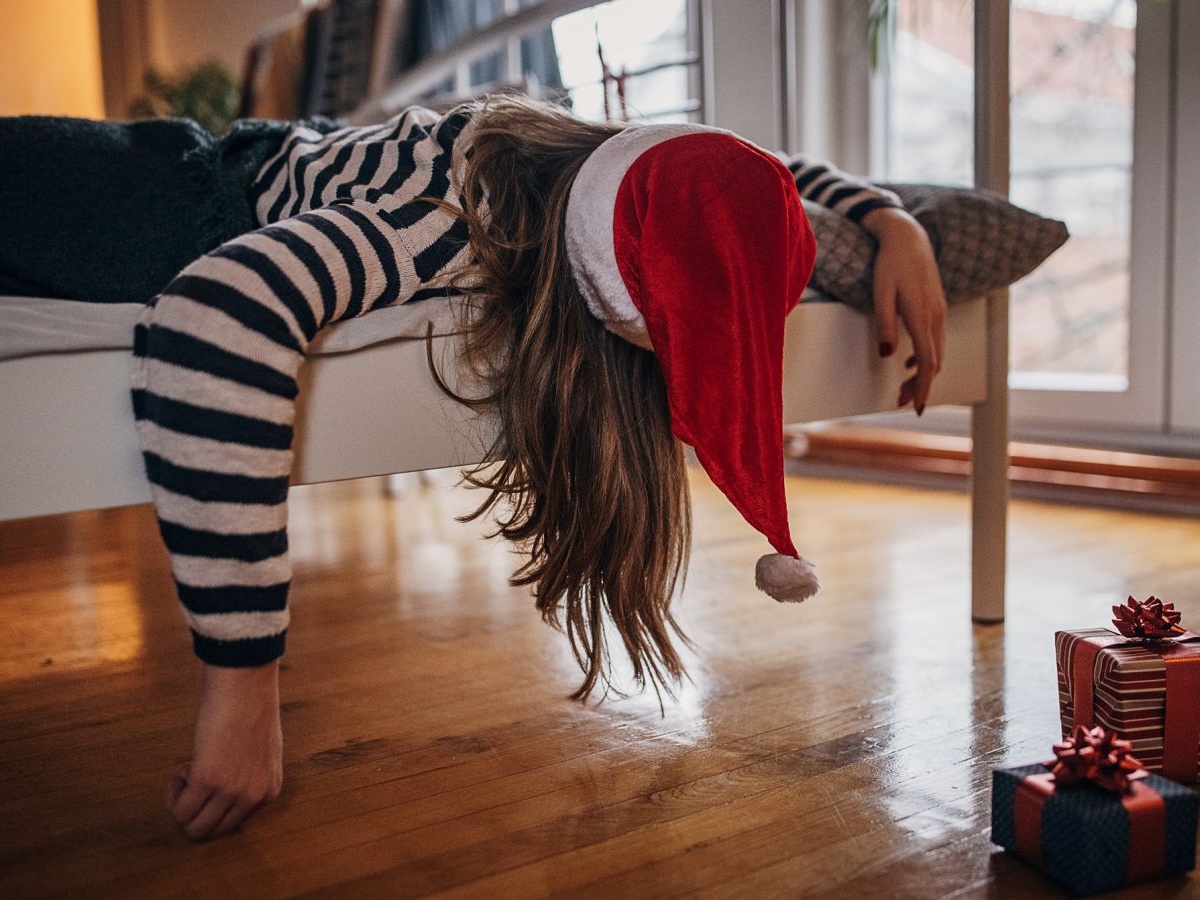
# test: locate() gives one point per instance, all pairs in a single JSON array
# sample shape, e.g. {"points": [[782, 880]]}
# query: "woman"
{"points": [[688, 244]]}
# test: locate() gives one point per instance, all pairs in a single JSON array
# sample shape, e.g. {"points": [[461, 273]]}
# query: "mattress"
{"points": [[31, 326]]}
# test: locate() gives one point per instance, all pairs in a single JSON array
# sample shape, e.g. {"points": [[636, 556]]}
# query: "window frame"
{"points": [[1160, 409], [1140, 408]]}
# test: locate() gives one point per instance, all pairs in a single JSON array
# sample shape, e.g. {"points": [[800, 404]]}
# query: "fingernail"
{"points": [[920, 409], [886, 348]]}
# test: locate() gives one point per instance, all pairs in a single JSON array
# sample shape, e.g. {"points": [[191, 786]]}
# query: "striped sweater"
{"points": [[346, 226]]}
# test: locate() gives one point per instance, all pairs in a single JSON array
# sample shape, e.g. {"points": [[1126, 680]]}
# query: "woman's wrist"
{"points": [[256, 680], [887, 219]]}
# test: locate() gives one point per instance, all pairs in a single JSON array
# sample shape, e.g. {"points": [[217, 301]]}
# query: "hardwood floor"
{"points": [[842, 748]]}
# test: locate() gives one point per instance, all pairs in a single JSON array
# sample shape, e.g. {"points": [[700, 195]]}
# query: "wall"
{"points": [[50, 59], [172, 36], [183, 33]]}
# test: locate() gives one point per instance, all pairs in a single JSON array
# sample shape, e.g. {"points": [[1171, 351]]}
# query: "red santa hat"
{"points": [[692, 242]]}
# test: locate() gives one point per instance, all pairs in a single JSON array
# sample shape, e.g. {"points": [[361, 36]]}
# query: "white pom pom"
{"points": [[786, 578]]}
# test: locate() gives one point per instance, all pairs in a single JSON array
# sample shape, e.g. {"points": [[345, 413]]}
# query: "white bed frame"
{"points": [[68, 442]]}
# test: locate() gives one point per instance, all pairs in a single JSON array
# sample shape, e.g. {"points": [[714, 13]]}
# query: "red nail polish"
{"points": [[886, 348]]}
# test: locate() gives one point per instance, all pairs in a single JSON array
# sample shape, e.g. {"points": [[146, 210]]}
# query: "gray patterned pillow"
{"points": [[981, 241]]}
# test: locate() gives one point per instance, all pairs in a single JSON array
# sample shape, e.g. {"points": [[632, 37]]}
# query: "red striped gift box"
{"points": [[1146, 691]]}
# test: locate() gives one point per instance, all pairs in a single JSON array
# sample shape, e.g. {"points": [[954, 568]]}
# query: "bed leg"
{"points": [[989, 472], [989, 420]]}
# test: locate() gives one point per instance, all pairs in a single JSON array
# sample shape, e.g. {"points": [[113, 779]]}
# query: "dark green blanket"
{"points": [[111, 211]]}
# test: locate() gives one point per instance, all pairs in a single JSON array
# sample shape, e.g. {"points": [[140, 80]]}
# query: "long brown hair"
{"points": [[592, 482]]}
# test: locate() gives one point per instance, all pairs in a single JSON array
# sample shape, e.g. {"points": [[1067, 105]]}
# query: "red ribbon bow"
{"points": [[1098, 756], [1147, 620]]}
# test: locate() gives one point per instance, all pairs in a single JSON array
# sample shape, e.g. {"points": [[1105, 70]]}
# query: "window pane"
{"points": [[929, 112], [1072, 148], [1071, 152], [646, 40]]}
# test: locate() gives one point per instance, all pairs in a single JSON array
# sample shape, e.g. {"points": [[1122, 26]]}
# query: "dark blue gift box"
{"points": [[1085, 831]]}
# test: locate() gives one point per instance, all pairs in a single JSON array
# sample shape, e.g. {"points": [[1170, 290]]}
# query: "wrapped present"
{"points": [[1093, 818], [1141, 680]]}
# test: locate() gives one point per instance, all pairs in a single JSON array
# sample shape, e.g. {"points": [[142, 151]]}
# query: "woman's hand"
{"points": [[907, 282], [237, 757]]}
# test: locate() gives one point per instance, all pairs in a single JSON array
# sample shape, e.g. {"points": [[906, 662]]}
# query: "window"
{"points": [[629, 59], [1089, 333], [625, 59], [1072, 67]]}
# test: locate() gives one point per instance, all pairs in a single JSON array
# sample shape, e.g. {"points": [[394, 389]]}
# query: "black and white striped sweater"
{"points": [[346, 227]]}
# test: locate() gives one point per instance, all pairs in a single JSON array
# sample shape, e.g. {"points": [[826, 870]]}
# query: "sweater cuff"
{"points": [[239, 654], [860, 210]]}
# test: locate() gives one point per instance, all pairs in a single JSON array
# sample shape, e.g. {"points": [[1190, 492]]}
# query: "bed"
{"points": [[369, 405]]}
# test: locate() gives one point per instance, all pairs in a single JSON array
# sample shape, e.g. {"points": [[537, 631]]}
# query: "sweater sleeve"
{"points": [[216, 357], [823, 183]]}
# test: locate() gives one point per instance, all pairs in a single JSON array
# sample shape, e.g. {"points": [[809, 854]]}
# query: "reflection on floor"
{"points": [[840, 747]]}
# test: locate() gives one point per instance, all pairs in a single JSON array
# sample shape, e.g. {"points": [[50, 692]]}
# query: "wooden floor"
{"points": [[842, 748]]}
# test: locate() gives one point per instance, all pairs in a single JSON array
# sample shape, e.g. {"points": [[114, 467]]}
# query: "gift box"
{"points": [[1099, 832], [1141, 680]]}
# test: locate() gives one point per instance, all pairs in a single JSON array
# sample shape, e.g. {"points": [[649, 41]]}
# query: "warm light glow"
{"points": [[67, 627], [108, 624], [50, 59]]}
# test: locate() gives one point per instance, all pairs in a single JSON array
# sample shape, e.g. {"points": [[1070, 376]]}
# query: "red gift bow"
{"points": [[1098, 756], [1147, 620]]}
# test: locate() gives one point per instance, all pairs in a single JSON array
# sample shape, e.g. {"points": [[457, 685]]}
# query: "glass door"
{"points": [[1090, 128]]}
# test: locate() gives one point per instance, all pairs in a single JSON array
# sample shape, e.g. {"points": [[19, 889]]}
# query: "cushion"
{"points": [[981, 242]]}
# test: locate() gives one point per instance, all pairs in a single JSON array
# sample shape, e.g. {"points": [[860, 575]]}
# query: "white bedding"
{"points": [[30, 326], [33, 325]]}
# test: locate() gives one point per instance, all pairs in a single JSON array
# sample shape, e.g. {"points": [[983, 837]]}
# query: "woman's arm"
{"points": [[822, 182], [214, 387], [216, 362], [907, 282]]}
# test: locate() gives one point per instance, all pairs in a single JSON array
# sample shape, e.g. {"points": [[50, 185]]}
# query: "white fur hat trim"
{"points": [[589, 225], [788, 579]]}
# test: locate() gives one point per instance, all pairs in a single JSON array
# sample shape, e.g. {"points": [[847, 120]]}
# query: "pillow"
{"points": [[981, 242]]}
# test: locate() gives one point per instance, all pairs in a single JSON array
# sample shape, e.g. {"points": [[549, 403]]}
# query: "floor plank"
{"points": [[839, 748]]}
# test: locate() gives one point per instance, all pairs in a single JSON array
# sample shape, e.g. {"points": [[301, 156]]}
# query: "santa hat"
{"points": [[692, 242]]}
